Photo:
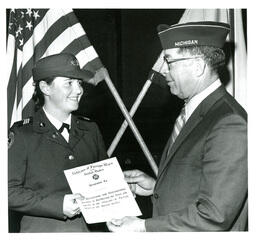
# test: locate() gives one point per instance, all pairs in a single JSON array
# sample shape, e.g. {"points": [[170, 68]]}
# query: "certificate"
{"points": [[106, 193]]}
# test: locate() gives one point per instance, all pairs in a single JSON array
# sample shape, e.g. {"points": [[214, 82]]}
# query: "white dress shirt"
{"points": [[58, 124], [197, 99]]}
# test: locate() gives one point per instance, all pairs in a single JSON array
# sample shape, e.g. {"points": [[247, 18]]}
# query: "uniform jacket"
{"points": [[37, 156], [202, 183]]}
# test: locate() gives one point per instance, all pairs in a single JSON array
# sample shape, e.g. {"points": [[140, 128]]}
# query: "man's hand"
{"points": [[131, 224], [139, 182], [70, 206]]}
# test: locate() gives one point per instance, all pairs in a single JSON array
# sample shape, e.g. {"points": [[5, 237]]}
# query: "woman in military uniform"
{"points": [[42, 147]]}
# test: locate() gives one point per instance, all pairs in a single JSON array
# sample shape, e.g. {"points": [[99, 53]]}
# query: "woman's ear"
{"points": [[44, 87]]}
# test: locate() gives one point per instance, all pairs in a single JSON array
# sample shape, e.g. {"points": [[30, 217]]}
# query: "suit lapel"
{"points": [[186, 130], [191, 124]]}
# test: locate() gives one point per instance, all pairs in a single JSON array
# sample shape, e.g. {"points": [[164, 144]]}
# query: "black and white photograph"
{"points": [[126, 119]]}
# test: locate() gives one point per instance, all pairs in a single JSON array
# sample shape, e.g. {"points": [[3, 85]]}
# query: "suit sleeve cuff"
{"points": [[156, 225]]}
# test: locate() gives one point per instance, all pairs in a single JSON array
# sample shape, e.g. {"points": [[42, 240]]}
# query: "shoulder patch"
{"points": [[10, 139], [23, 122], [27, 121]]}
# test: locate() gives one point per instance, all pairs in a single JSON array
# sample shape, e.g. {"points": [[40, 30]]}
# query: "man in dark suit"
{"points": [[42, 147], [202, 178]]}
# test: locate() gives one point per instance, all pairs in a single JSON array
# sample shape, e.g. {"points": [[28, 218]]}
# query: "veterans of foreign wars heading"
{"points": [[202, 178], [42, 147]]}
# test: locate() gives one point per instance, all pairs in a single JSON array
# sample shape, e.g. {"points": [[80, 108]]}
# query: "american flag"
{"points": [[36, 33]]}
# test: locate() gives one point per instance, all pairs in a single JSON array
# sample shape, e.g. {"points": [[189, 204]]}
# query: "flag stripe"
{"points": [[19, 80], [27, 92], [50, 19], [76, 45], [34, 39], [75, 48], [11, 89], [58, 44], [29, 108], [80, 44], [52, 33], [93, 65], [15, 113], [11, 50], [89, 53]]}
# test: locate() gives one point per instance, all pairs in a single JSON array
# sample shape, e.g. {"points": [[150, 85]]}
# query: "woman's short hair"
{"points": [[38, 96]]}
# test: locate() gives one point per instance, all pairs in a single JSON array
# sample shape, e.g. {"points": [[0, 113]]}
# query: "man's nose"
{"points": [[165, 70], [166, 73]]}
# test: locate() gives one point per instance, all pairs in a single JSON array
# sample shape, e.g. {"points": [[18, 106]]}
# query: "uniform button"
{"points": [[55, 135], [41, 124], [156, 196], [71, 157]]}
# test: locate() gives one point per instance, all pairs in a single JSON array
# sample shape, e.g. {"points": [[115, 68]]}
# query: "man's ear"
{"points": [[44, 87], [200, 67]]}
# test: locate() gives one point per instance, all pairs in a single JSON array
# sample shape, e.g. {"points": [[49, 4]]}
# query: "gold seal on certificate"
{"points": [[106, 193]]}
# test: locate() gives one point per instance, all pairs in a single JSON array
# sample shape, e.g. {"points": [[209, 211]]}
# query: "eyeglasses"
{"points": [[169, 62]]}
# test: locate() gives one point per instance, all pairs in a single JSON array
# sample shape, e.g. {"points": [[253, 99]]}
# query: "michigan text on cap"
{"points": [[206, 33]]}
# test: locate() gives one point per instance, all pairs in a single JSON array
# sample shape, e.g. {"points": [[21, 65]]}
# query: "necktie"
{"points": [[64, 125], [179, 123], [64, 130]]}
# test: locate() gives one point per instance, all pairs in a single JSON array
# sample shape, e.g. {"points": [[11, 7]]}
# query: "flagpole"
{"points": [[156, 68], [131, 124], [124, 125], [231, 85], [240, 60]]}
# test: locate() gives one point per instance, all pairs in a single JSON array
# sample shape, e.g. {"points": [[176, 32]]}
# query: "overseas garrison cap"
{"points": [[193, 34], [60, 65]]}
